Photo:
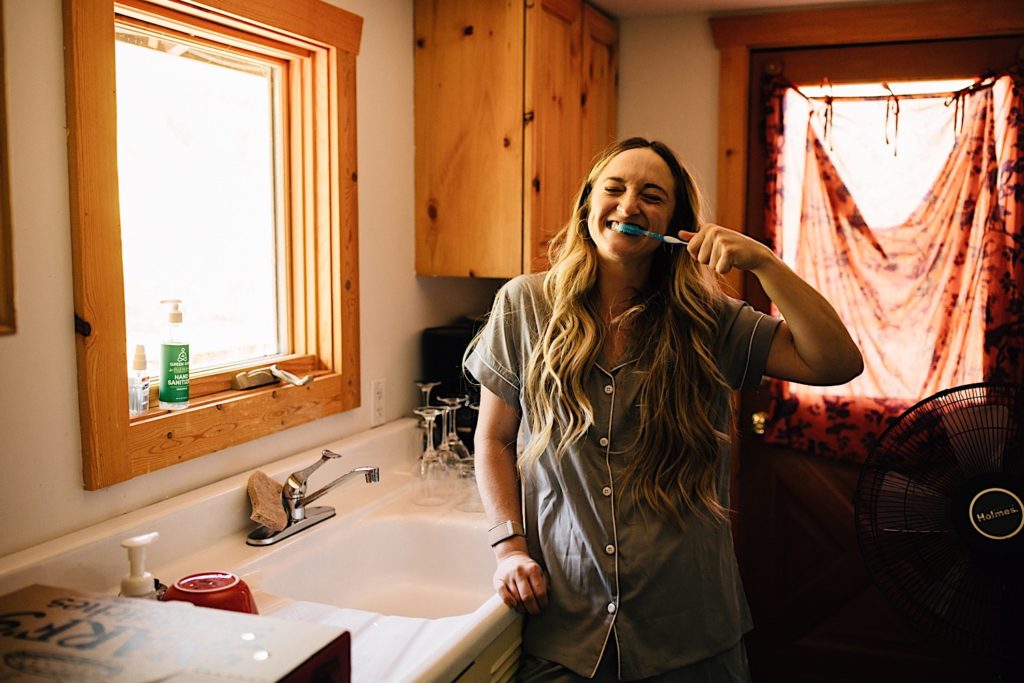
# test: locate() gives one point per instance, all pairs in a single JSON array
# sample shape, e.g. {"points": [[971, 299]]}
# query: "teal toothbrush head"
{"points": [[630, 229]]}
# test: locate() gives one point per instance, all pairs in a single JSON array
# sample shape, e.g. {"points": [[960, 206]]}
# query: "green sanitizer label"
{"points": [[174, 373]]}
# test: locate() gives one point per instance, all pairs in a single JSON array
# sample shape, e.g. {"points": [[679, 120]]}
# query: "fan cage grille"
{"points": [[903, 512]]}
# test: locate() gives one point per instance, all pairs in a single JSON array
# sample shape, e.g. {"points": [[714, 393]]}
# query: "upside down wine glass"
{"points": [[426, 387], [433, 474], [451, 434]]}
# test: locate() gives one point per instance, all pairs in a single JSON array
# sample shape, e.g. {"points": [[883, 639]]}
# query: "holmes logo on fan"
{"points": [[996, 514], [988, 516]]}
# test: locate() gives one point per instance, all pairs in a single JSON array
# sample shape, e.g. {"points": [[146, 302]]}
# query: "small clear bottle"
{"points": [[138, 383], [174, 361]]}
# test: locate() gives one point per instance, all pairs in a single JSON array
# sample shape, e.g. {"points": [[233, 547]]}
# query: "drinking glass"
{"points": [[433, 473], [445, 452], [451, 434], [426, 387]]}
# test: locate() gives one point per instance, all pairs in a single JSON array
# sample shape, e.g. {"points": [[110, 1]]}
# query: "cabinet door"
{"points": [[600, 85], [469, 128], [552, 129]]}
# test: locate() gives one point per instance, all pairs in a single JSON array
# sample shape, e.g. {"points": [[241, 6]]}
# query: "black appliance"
{"points": [[441, 352]]}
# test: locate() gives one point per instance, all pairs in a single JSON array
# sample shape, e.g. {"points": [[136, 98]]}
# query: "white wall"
{"points": [[40, 445], [668, 90]]}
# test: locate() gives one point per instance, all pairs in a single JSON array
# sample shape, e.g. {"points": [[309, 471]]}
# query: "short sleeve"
{"points": [[744, 339], [498, 356]]}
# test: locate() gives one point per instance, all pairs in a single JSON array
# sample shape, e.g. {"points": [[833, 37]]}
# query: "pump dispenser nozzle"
{"points": [[174, 315], [139, 583], [139, 359]]}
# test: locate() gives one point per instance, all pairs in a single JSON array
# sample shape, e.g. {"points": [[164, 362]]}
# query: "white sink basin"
{"points": [[428, 566]]}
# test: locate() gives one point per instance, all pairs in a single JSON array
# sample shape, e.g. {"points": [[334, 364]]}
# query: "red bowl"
{"points": [[220, 590]]}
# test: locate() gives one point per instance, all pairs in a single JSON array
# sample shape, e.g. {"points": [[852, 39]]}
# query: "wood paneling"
{"points": [[897, 21], [506, 112], [600, 84], [552, 137], [96, 240], [469, 137]]}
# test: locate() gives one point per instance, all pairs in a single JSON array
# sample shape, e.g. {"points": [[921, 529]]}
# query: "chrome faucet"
{"points": [[294, 500]]}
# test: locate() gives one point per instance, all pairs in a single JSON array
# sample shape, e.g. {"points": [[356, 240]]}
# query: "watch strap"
{"points": [[503, 531]]}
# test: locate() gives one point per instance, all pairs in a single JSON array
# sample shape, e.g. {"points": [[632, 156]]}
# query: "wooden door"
{"points": [[600, 85], [469, 137], [818, 617], [552, 128]]}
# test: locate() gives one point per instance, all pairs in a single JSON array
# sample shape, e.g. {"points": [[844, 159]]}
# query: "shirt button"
{"points": [[609, 389], [610, 549], [611, 608], [607, 490], [603, 441]]}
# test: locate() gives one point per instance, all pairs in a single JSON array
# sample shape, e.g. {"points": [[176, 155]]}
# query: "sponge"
{"points": [[265, 496]]}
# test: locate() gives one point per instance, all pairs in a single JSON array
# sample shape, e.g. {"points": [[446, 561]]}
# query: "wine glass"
{"points": [[451, 434], [426, 387], [444, 450], [433, 473]]}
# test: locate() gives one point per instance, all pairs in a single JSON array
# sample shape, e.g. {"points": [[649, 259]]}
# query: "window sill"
{"points": [[217, 421]]}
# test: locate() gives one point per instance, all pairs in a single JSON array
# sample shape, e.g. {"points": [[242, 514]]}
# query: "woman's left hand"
{"points": [[723, 249]]}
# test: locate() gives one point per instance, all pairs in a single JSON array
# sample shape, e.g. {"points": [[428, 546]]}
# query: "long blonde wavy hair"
{"points": [[671, 329]]}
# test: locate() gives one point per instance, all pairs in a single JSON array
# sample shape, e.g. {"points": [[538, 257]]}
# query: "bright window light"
{"points": [[887, 170], [197, 130]]}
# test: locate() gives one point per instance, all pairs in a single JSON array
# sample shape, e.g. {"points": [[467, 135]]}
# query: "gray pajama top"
{"points": [[618, 574]]}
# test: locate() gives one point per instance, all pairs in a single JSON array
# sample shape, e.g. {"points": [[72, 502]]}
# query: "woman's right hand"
{"points": [[521, 583]]}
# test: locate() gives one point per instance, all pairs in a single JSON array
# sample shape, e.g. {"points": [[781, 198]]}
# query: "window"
{"points": [[281, 220], [201, 122]]}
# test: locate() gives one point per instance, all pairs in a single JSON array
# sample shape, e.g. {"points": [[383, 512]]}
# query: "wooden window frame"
{"points": [[317, 45]]}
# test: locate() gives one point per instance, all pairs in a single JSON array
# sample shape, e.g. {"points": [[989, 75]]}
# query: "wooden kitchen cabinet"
{"points": [[512, 102]]}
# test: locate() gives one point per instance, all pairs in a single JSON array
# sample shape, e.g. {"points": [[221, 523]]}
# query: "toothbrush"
{"points": [[630, 229]]}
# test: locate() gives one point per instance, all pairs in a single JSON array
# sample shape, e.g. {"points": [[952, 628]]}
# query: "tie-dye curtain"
{"points": [[934, 302]]}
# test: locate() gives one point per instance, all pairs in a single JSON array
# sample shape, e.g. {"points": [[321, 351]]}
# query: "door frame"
{"points": [[738, 37]]}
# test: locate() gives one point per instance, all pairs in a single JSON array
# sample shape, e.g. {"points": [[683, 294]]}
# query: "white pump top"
{"points": [[139, 362], [174, 315], [139, 583]]}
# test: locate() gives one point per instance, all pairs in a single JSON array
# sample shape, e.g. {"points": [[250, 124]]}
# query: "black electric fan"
{"points": [[940, 520]]}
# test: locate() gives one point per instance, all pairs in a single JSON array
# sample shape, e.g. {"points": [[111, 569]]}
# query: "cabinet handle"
{"points": [[527, 117]]}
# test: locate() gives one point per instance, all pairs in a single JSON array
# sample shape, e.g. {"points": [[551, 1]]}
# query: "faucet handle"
{"points": [[296, 483]]}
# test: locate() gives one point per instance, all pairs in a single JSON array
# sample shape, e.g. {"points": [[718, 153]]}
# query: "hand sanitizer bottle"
{"points": [[174, 361], [138, 384]]}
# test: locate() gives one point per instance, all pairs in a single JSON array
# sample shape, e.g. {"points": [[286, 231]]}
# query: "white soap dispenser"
{"points": [[139, 583]]}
